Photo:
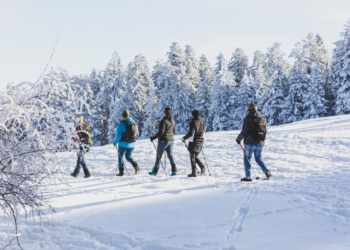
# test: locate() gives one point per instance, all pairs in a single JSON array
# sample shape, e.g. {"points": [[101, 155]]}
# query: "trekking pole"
{"points": [[257, 178], [206, 163], [165, 159], [122, 161], [191, 157], [160, 159]]}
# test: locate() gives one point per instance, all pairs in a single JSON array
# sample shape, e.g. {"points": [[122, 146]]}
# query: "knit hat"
{"points": [[126, 114], [195, 113], [252, 106]]}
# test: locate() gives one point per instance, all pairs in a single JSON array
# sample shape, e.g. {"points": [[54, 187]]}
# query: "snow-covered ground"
{"points": [[306, 205]]}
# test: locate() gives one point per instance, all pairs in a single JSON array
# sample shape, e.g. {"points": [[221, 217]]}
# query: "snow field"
{"points": [[306, 205]]}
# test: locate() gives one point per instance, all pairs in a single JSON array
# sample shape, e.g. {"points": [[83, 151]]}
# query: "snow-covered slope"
{"points": [[306, 205]]}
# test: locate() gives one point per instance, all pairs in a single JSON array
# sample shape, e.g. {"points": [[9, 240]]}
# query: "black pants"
{"points": [[194, 160]]}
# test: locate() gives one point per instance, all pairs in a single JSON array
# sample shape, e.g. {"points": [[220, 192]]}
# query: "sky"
{"points": [[90, 31]]}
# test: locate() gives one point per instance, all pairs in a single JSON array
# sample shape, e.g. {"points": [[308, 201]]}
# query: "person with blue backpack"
{"points": [[127, 134]]}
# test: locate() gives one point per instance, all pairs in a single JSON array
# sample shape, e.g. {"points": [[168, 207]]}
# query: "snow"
{"points": [[306, 205]]}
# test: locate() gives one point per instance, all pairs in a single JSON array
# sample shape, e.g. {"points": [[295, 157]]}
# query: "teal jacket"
{"points": [[121, 131]]}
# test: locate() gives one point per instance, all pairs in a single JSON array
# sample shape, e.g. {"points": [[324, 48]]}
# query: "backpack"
{"points": [[131, 131], [84, 137], [259, 130]]}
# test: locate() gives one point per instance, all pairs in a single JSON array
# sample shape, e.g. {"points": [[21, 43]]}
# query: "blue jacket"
{"points": [[121, 131]]}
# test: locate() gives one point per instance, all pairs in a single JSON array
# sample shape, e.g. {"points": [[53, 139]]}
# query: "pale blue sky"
{"points": [[90, 31]]}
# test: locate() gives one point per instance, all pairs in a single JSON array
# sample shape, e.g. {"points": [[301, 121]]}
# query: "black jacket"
{"points": [[248, 126], [196, 134], [166, 130]]}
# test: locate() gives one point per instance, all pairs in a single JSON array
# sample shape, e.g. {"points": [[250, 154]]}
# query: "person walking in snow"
{"points": [[165, 138], [83, 136], [127, 134], [196, 141], [253, 132]]}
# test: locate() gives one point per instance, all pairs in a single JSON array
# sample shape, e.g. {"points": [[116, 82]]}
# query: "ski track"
{"points": [[309, 161]]}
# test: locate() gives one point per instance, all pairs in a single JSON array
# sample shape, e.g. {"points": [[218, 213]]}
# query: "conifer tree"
{"points": [[293, 106], [314, 102], [192, 66], [277, 70], [178, 91], [134, 98], [222, 96], [238, 64], [341, 72]]}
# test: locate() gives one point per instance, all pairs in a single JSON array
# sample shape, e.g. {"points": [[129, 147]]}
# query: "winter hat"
{"points": [[126, 114], [252, 106], [167, 112], [195, 113]]}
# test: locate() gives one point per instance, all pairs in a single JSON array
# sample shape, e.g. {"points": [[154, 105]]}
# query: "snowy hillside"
{"points": [[306, 205]]}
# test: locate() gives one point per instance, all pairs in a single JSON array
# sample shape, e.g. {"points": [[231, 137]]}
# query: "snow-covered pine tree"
{"points": [[341, 72], [156, 74], [95, 79], [204, 65], [178, 92], [298, 84], [203, 101], [150, 125], [220, 64], [244, 95], [277, 70], [258, 65], [315, 53], [105, 98], [222, 98], [192, 66], [238, 64], [315, 105], [138, 85]]}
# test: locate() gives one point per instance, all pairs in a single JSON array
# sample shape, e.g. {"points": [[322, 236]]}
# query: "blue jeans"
{"points": [[167, 146], [249, 150], [81, 159], [128, 155]]}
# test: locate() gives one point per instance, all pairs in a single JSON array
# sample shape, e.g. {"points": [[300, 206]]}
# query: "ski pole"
{"points": [[160, 159], [122, 161], [206, 163], [191, 157], [257, 178]]}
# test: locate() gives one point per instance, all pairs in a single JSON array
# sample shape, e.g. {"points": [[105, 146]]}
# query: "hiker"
{"points": [[196, 141], [127, 134], [165, 138], [253, 132], [83, 132]]}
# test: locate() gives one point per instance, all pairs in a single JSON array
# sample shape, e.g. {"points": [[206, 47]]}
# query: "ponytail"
{"points": [[167, 112]]}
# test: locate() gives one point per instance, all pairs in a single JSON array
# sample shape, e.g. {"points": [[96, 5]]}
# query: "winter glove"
{"points": [[183, 139], [238, 141], [113, 144], [152, 139]]}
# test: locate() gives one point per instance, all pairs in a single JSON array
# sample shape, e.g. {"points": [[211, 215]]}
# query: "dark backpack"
{"points": [[131, 131], [85, 137], [259, 130]]}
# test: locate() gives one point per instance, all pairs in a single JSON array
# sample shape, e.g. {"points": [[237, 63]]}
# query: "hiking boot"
{"points": [[173, 169], [202, 170], [87, 173], [192, 175], [154, 171], [121, 172], [268, 174], [136, 167], [246, 179], [75, 173]]}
